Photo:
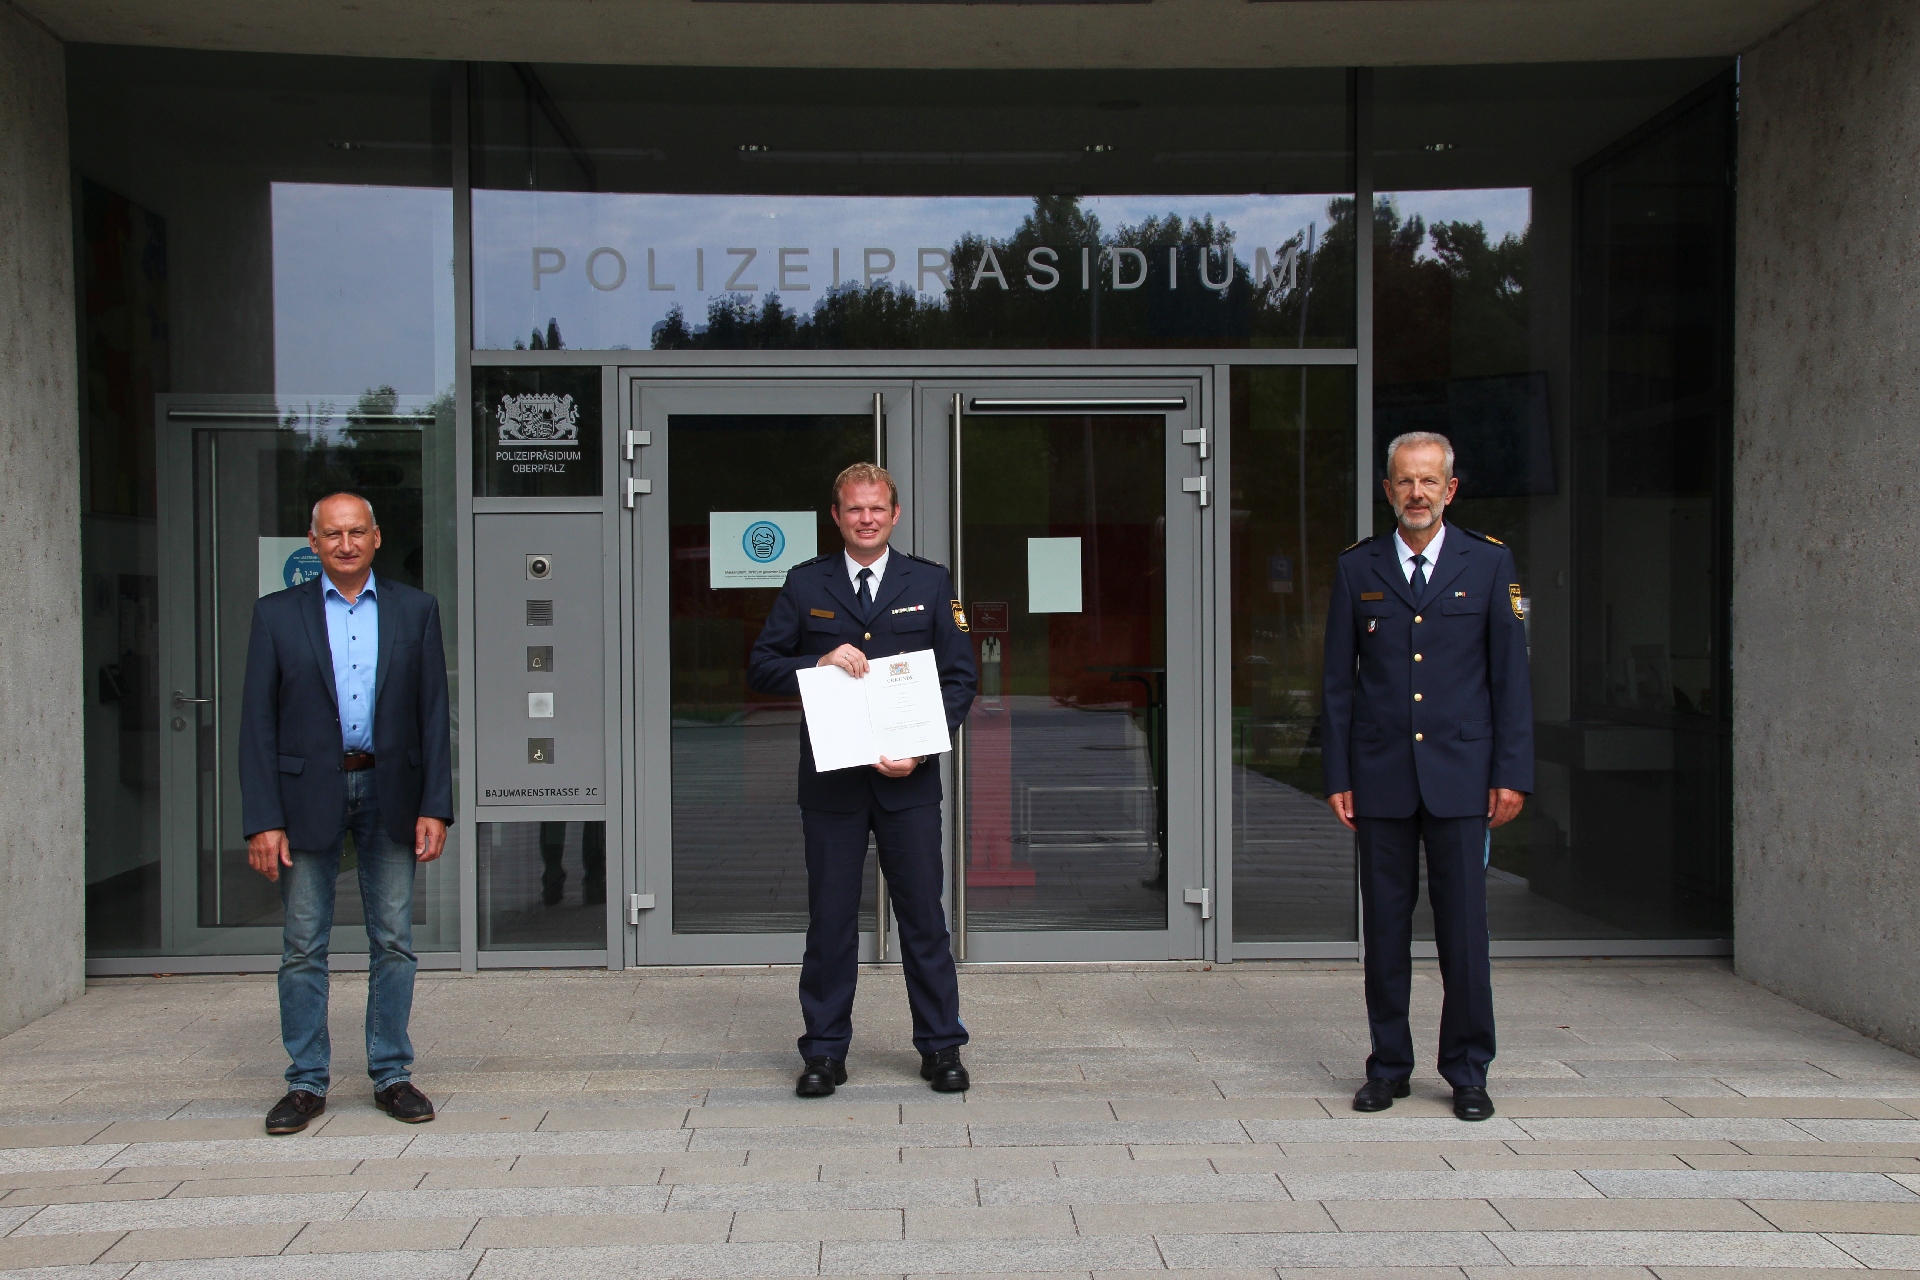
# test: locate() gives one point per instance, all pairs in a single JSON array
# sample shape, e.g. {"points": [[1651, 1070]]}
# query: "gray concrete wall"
{"points": [[42, 826], [1826, 590]]}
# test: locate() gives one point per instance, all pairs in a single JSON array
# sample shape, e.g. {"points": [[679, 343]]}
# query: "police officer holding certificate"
{"points": [[845, 609], [1427, 739]]}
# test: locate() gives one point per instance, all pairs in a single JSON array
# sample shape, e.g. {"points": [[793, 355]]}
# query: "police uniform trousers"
{"points": [[1457, 886], [909, 844]]}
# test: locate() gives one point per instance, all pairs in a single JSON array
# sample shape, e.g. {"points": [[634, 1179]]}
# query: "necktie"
{"points": [[1419, 579], [866, 590]]}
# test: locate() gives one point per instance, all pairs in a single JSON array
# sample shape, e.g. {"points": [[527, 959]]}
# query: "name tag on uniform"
{"points": [[912, 608], [1373, 595], [821, 613]]}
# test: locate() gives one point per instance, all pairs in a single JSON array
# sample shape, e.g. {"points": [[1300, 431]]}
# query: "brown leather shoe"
{"points": [[404, 1103], [291, 1113]]}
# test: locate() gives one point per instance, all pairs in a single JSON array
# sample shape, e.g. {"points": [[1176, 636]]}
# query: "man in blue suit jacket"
{"points": [[1427, 738], [843, 609], [344, 727]]}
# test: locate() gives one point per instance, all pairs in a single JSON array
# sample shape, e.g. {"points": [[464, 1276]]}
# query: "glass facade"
{"points": [[269, 252]]}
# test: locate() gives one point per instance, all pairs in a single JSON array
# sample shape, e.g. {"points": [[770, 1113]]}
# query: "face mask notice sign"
{"points": [[756, 548]]}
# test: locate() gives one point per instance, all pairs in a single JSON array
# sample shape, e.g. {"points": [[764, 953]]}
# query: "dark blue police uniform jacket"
{"points": [[290, 743], [817, 612], [1461, 646]]}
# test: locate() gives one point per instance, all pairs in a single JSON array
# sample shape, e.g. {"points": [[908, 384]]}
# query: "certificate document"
{"points": [[895, 710]]}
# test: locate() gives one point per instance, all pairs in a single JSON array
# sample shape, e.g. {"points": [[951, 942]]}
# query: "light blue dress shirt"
{"points": [[353, 633]]}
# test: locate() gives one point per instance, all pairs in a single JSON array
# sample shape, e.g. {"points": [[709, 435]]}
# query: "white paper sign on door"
{"points": [[286, 562], [1053, 575], [756, 548]]}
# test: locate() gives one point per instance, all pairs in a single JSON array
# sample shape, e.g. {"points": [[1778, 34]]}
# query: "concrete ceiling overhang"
{"points": [[916, 34]]}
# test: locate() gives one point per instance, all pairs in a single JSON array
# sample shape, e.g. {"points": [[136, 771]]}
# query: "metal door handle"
{"points": [[180, 699]]}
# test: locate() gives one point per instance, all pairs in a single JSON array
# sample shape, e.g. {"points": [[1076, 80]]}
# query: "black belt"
{"points": [[355, 761]]}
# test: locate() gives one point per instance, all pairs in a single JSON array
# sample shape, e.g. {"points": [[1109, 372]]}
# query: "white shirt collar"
{"points": [[854, 567], [1406, 553]]}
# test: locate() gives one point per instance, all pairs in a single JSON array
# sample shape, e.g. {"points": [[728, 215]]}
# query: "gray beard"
{"points": [[1439, 513]]}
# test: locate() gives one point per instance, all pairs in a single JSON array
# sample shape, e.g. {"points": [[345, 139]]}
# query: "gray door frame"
{"points": [[916, 438]]}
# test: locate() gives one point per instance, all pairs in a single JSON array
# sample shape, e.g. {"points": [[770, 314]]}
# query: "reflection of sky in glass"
{"points": [[362, 290], [1503, 211], [611, 312]]}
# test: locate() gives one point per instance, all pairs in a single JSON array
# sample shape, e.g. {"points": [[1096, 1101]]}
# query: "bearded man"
{"points": [[1427, 739]]}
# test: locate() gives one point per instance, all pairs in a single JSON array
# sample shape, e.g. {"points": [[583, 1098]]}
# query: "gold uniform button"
{"points": [[869, 635], [1418, 618], [1416, 697], [1419, 737], [1417, 658]]}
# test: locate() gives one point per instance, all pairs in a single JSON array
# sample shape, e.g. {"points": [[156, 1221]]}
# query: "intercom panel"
{"points": [[539, 657]]}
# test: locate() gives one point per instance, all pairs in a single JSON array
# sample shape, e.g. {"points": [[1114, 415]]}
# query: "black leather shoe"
{"points": [[291, 1113], [819, 1076], [404, 1103], [1378, 1095], [1470, 1102], [944, 1071]]}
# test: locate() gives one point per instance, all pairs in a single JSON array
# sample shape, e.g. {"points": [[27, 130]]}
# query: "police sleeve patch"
{"points": [[959, 616], [1514, 598]]}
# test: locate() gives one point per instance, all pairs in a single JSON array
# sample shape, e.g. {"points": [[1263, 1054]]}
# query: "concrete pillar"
{"points": [[1826, 568], [42, 822]]}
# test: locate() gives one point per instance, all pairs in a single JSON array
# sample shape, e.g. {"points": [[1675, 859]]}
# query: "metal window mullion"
{"points": [[1363, 352], [465, 834], [957, 550]]}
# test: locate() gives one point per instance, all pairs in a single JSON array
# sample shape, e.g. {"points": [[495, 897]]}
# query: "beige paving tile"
{"points": [[54, 1178], [1203, 1273], [585, 1120], [1558, 1108], [1777, 1273], [24, 1252], [1374, 1156], [1221, 1109], [1013, 1222], [759, 1225], [166, 1244], [1630, 1215], [741, 1173], [998, 1112], [1811, 1164], [378, 1125], [46, 1135], [378, 1179], [1415, 1215], [1655, 1148], [1906, 1150], [92, 1193], [1509, 1160], [1565, 1273], [1792, 1108], [378, 1237], [858, 1113], [636, 1175], [1833, 1215], [561, 1231], [277, 1169], [1200, 1219], [191, 1130]]}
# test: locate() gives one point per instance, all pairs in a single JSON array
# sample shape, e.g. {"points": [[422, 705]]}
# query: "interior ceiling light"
{"points": [[755, 146], [1439, 146], [1099, 148]]}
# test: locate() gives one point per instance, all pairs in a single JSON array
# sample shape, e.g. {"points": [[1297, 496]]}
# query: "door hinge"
{"points": [[1196, 435], [637, 486], [1195, 484], [1201, 898], [636, 903], [641, 439]]}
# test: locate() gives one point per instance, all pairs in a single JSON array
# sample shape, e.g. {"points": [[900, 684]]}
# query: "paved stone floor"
{"points": [[1657, 1119]]}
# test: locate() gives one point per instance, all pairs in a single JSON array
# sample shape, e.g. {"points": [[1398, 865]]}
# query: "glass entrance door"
{"points": [[1071, 515], [1074, 512], [739, 479], [239, 477]]}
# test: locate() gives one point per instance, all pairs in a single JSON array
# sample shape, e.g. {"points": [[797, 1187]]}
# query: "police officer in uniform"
{"points": [[1427, 739], [844, 609]]}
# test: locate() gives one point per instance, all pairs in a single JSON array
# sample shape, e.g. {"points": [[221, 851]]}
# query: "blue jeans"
{"points": [[386, 893]]}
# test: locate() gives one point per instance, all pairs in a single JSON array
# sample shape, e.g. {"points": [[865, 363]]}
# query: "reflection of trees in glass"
{"points": [[359, 451], [538, 341], [1060, 280]]}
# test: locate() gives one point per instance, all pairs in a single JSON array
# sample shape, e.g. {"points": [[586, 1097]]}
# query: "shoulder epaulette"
{"points": [[819, 559], [1363, 542], [923, 560], [1475, 533]]}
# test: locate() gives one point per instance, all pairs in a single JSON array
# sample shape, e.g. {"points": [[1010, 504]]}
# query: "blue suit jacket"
{"points": [[817, 612], [1474, 717], [290, 746]]}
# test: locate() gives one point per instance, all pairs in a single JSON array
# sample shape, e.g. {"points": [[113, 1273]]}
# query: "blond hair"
{"points": [[865, 473]]}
